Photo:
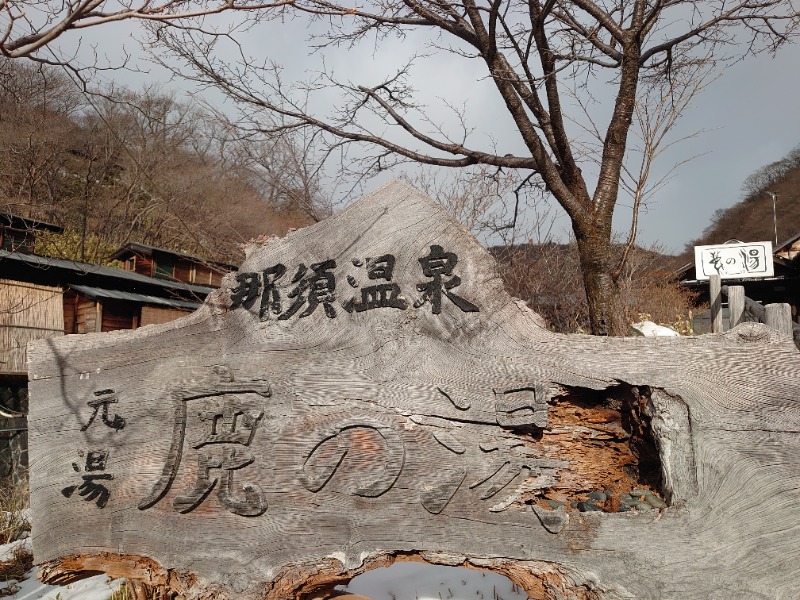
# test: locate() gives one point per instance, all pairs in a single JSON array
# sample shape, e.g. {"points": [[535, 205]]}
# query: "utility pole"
{"points": [[774, 218]]}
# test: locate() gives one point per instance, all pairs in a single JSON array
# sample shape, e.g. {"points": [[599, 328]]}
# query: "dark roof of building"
{"points": [[787, 243], [20, 222], [94, 293], [58, 271], [147, 250]]}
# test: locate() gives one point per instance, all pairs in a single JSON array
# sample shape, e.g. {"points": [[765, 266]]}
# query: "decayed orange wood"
{"points": [[138, 568], [605, 440]]}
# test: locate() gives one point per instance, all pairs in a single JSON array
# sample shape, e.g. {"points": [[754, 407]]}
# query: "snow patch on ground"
{"points": [[650, 329], [7, 550], [99, 587]]}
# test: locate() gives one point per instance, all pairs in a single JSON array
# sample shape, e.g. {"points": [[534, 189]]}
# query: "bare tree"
{"points": [[29, 26], [761, 179], [35, 130], [497, 206], [285, 169], [536, 53]]}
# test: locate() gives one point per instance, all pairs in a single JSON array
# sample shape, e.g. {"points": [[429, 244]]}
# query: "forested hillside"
{"points": [[750, 220], [142, 167], [121, 166]]}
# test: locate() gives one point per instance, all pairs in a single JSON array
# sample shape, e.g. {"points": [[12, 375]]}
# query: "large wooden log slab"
{"points": [[364, 390]]}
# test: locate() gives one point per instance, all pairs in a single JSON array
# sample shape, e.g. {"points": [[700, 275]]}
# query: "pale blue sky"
{"points": [[749, 116]]}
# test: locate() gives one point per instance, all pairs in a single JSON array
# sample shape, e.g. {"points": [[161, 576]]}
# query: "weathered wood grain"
{"points": [[779, 317], [263, 447], [715, 300], [736, 297]]}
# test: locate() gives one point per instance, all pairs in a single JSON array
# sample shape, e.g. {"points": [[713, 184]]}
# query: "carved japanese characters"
{"points": [[228, 424], [316, 285]]}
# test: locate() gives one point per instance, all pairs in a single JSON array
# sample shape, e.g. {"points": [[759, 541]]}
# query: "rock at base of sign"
{"points": [[655, 501], [598, 496]]}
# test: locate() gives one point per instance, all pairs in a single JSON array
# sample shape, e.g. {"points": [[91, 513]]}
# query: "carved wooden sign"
{"points": [[364, 389]]}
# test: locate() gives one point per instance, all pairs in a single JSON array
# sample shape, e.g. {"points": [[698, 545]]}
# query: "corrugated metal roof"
{"points": [[81, 268], [148, 250], [94, 292]]}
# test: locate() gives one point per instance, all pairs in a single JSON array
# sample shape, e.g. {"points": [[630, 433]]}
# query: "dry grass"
{"points": [[138, 591], [21, 562], [122, 593], [13, 526], [548, 278], [13, 522]]}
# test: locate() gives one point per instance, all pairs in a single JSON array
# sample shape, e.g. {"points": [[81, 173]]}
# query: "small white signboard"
{"points": [[734, 260]]}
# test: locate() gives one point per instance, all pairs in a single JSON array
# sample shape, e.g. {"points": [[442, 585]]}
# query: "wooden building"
{"points": [[18, 234], [42, 297], [167, 264], [29, 309], [790, 249]]}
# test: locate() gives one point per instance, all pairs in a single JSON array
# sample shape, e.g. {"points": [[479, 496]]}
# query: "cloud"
{"points": [[749, 115]]}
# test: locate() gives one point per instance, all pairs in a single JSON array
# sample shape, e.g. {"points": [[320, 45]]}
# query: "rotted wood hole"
{"points": [[508, 581], [412, 578], [536, 580], [614, 463]]}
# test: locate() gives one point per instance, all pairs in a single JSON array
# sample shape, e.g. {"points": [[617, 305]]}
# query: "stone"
{"points": [[655, 501]]}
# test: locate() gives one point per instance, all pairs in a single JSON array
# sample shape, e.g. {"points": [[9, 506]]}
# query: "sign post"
{"points": [[733, 260]]}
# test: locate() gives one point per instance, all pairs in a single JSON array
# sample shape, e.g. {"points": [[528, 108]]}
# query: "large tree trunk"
{"points": [[593, 226], [602, 292], [271, 447]]}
